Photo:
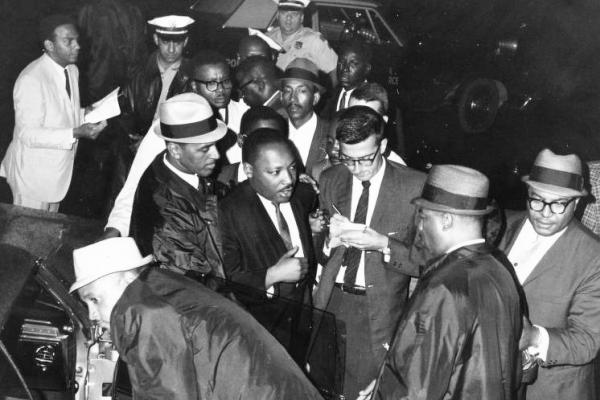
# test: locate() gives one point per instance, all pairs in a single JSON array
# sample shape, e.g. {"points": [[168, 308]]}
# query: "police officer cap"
{"points": [[171, 25], [293, 4]]}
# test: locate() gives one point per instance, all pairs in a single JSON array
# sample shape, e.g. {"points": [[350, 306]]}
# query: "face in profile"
{"points": [[274, 174], [101, 295], [429, 230], [194, 158], [64, 49]]}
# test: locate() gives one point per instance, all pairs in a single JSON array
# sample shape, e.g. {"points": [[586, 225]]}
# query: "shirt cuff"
{"points": [[541, 350]]}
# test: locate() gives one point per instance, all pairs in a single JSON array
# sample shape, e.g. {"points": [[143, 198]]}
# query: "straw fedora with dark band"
{"points": [[293, 4], [304, 70], [188, 118], [560, 175], [455, 189]]}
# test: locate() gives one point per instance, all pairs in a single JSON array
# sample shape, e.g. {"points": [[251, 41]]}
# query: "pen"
{"points": [[335, 209]]}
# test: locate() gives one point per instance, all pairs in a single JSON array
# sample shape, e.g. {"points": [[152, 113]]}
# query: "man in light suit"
{"points": [[48, 120], [301, 92], [361, 283], [557, 260]]}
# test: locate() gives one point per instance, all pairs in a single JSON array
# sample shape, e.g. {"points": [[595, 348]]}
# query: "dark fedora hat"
{"points": [[560, 175], [304, 70], [188, 118], [455, 189]]}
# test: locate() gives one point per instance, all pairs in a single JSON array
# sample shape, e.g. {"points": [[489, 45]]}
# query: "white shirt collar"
{"points": [[192, 179], [303, 136], [161, 68], [465, 244], [58, 68]]}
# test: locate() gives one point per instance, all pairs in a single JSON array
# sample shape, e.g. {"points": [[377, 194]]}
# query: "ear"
{"points": [[447, 221], [155, 37], [49, 45], [316, 97], [174, 150], [383, 145], [248, 169]]}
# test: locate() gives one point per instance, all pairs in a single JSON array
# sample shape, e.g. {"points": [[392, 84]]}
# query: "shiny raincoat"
{"points": [[458, 338], [181, 340]]}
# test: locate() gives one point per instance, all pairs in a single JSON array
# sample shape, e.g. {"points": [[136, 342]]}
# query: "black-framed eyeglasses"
{"points": [[212, 86], [557, 207], [365, 161]]}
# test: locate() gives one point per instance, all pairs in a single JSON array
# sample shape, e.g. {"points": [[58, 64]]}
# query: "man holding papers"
{"points": [[48, 121], [368, 198]]}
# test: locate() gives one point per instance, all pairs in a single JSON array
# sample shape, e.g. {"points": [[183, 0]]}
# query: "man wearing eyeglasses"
{"points": [[557, 260], [211, 79], [368, 198]]}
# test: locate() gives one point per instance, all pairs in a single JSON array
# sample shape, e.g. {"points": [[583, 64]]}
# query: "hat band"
{"points": [[299, 73], [557, 178], [440, 196], [188, 130]]}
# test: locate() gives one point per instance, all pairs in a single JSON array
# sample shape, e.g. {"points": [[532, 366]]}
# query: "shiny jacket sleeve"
{"points": [[427, 344], [155, 349]]}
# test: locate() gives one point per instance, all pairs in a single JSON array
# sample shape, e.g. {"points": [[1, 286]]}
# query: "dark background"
{"points": [[558, 56]]}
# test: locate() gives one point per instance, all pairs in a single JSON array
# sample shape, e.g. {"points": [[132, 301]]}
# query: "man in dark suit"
{"points": [[267, 241], [459, 336], [557, 260], [362, 283], [301, 93]]}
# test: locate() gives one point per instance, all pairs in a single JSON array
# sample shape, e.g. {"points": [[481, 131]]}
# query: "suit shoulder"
{"points": [[237, 198], [332, 173]]}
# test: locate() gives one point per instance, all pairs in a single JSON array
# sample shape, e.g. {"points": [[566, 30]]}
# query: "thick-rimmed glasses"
{"points": [[557, 207], [365, 161], [212, 86]]}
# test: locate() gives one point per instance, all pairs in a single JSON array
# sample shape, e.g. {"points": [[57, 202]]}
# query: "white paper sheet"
{"points": [[105, 108]]}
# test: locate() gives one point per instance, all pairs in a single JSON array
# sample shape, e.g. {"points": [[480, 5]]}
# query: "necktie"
{"points": [[342, 104], [67, 85], [284, 230], [352, 255]]}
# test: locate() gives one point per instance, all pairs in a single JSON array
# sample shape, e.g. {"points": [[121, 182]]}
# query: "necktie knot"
{"points": [[366, 184]]}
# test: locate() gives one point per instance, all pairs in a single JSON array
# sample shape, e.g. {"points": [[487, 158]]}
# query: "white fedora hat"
{"points": [[556, 174], [455, 189], [105, 257], [188, 118]]}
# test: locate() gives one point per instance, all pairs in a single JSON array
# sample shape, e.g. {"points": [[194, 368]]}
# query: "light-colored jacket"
{"points": [[39, 161]]}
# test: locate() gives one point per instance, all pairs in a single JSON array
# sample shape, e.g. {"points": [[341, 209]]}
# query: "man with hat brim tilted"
{"points": [[165, 74], [459, 335], [301, 91], [175, 207], [179, 339], [299, 41], [557, 260]]}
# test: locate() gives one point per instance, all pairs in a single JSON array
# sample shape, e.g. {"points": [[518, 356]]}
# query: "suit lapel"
{"points": [[316, 152], [386, 196]]}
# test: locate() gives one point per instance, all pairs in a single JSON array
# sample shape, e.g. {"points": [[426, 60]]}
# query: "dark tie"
{"points": [[67, 85], [342, 101], [352, 255], [284, 230]]}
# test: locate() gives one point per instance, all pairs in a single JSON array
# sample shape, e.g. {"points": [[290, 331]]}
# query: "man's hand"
{"points": [[287, 269], [88, 130], [530, 335], [367, 392], [367, 239]]}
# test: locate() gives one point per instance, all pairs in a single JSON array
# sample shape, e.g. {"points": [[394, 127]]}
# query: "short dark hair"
{"points": [[261, 138], [50, 23], [372, 91], [208, 57], [361, 49], [252, 62], [357, 123], [253, 40], [251, 120]]}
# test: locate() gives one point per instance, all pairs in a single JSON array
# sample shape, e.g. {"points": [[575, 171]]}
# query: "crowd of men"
{"points": [[303, 195]]}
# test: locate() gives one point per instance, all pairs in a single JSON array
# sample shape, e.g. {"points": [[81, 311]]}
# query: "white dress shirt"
{"points": [[346, 100], [302, 137], [287, 213], [373, 195], [233, 117], [167, 74], [526, 252]]}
